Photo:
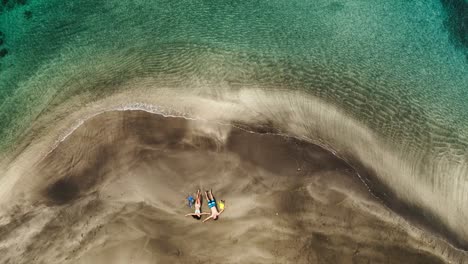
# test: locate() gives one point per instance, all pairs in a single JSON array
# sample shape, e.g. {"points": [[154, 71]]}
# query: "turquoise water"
{"points": [[397, 67]]}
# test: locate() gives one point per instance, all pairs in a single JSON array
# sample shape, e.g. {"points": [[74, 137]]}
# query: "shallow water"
{"points": [[380, 84], [117, 184]]}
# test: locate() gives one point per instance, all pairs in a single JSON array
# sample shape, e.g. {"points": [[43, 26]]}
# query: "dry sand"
{"points": [[114, 192]]}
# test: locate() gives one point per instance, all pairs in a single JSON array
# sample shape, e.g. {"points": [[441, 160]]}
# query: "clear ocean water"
{"points": [[398, 68]]}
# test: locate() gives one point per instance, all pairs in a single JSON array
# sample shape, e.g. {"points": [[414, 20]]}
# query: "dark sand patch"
{"points": [[113, 192]]}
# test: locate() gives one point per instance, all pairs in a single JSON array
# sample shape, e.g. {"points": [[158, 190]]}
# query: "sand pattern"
{"points": [[114, 190]]}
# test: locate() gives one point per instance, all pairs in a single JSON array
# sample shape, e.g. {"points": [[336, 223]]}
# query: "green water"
{"points": [[398, 67], [397, 54]]}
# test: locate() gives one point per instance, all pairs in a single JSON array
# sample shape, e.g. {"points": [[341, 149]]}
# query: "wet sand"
{"points": [[114, 190]]}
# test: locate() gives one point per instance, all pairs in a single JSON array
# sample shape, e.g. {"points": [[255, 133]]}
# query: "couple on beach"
{"points": [[211, 204]]}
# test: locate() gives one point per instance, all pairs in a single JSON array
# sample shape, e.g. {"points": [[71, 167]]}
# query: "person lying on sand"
{"points": [[212, 205], [197, 215]]}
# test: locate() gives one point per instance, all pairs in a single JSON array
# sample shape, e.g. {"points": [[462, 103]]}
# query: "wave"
{"points": [[372, 84], [83, 162]]}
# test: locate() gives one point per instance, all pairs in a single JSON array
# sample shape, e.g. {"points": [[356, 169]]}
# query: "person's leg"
{"points": [[211, 195], [206, 194], [198, 199]]}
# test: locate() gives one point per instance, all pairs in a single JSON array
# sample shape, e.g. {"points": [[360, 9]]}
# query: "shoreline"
{"points": [[190, 112], [149, 133]]}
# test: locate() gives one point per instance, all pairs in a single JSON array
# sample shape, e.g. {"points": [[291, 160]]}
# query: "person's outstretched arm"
{"points": [[221, 211], [196, 214], [206, 219]]}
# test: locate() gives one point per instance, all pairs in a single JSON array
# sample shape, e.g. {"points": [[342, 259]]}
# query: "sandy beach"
{"points": [[336, 131], [114, 192]]}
